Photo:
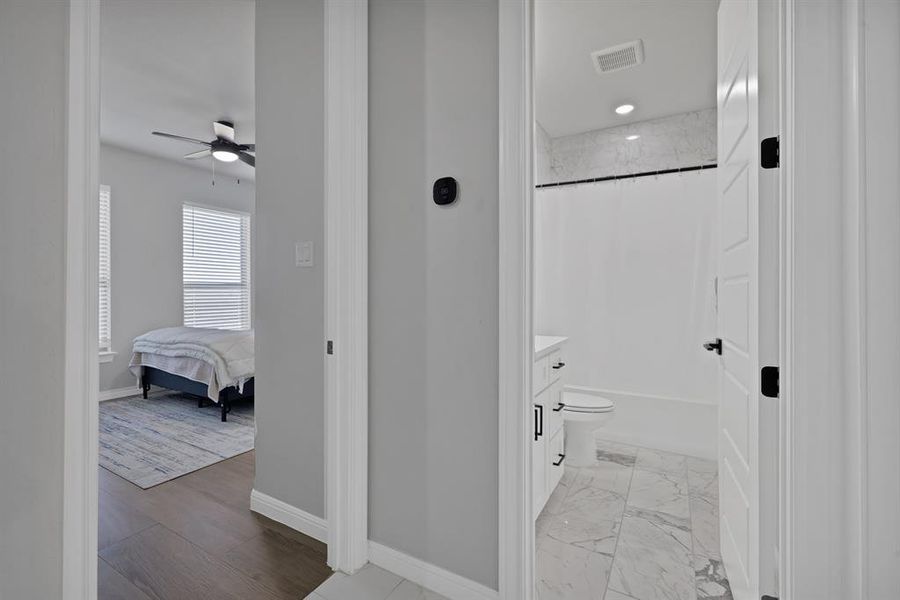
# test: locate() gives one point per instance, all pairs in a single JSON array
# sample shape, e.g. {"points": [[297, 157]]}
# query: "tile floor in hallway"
{"points": [[639, 524], [371, 583]]}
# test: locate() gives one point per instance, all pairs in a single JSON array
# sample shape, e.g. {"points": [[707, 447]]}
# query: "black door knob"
{"points": [[714, 346]]}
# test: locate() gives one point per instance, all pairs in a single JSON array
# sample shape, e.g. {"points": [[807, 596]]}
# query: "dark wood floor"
{"points": [[194, 538]]}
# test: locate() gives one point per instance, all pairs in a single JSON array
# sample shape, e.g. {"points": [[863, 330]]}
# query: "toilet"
{"points": [[583, 415]]}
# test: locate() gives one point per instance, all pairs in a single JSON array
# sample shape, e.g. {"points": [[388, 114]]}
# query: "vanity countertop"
{"points": [[545, 344]]}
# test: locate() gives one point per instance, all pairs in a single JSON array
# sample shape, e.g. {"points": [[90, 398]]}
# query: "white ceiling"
{"points": [[176, 66], [678, 74]]}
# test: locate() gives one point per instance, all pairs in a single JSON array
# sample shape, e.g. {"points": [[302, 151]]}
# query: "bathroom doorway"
{"points": [[653, 302]]}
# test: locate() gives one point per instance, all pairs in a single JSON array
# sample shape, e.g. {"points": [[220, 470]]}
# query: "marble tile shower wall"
{"points": [[683, 140], [542, 168]]}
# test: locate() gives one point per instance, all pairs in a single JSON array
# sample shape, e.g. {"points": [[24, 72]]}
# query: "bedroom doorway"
{"points": [[177, 280], [169, 242]]}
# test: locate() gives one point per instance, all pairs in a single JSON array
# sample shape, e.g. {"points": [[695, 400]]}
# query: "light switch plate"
{"points": [[303, 254]]}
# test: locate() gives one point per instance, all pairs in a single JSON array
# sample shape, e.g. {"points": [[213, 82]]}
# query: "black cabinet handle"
{"points": [[562, 457], [559, 365], [538, 421], [559, 406]]}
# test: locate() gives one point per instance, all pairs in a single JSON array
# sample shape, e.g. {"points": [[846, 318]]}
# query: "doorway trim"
{"points": [[516, 346], [346, 283], [824, 387], [80, 427]]}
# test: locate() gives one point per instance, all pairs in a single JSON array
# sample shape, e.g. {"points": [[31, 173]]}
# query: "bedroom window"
{"points": [[216, 268], [105, 340]]}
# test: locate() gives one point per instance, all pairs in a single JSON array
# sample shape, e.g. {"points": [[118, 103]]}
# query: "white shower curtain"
{"points": [[626, 269]]}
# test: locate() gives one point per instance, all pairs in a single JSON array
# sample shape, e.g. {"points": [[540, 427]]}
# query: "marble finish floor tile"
{"points": [[407, 590], [712, 584], [590, 534], [663, 462], [702, 479], [641, 524], [660, 492], [369, 583], [604, 475], [705, 527], [638, 525], [614, 595], [703, 488], [593, 504], [653, 559], [566, 572], [558, 496]]}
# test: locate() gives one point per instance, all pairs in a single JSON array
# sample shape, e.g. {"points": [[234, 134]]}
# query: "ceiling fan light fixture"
{"points": [[225, 155], [223, 148]]}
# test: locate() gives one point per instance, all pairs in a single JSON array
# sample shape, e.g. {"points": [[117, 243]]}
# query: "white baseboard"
{"points": [[680, 425], [436, 579], [124, 392], [293, 517]]}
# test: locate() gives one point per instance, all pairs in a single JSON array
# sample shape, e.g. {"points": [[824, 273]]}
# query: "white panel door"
{"points": [[738, 304]]}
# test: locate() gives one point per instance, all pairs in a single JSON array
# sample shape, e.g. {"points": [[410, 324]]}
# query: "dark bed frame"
{"points": [[153, 376]]}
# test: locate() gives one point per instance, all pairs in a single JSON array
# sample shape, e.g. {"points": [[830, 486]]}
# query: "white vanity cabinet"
{"points": [[548, 458]]}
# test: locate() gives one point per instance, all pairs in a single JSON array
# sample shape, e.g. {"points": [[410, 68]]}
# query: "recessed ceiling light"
{"points": [[631, 138], [624, 109]]}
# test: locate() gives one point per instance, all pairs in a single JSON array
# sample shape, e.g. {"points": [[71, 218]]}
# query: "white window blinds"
{"points": [[216, 268], [104, 275]]}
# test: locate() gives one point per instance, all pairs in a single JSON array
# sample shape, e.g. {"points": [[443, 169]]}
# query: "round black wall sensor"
{"points": [[444, 191]]}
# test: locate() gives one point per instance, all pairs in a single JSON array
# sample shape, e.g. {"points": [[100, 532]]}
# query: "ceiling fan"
{"points": [[222, 148]]}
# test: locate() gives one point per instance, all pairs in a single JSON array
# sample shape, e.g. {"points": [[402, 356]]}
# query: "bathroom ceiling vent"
{"points": [[616, 58]]}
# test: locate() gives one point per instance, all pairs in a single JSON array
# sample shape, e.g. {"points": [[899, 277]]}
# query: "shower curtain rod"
{"points": [[631, 176]]}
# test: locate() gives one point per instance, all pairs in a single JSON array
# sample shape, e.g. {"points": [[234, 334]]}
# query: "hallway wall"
{"points": [[34, 51], [433, 291], [290, 302]]}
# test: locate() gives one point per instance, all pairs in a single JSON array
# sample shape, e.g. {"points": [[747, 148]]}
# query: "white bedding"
{"points": [[219, 358]]}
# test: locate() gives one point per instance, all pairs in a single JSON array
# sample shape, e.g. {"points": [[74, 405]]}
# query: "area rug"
{"points": [[152, 441]]}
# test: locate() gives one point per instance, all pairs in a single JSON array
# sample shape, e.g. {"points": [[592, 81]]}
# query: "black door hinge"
{"points": [[768, 382], [329, 347], [770, 153]]}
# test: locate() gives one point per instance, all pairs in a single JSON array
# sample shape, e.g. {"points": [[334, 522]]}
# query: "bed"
{"points": [[213, 365]]}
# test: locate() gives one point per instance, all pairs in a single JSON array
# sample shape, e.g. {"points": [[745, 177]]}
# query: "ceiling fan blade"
{"points": [[248, 147], [224, 130], [199, 154], [180, 137], [250, 160]]}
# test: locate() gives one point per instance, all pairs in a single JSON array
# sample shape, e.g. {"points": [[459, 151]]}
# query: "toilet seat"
{"points": [[587, 403]]}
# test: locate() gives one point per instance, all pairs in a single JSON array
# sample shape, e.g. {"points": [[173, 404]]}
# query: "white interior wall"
{"points": [[626, 270], [146, 196], [880, 553], [290, 301], [433, 283], [33, 44]]}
